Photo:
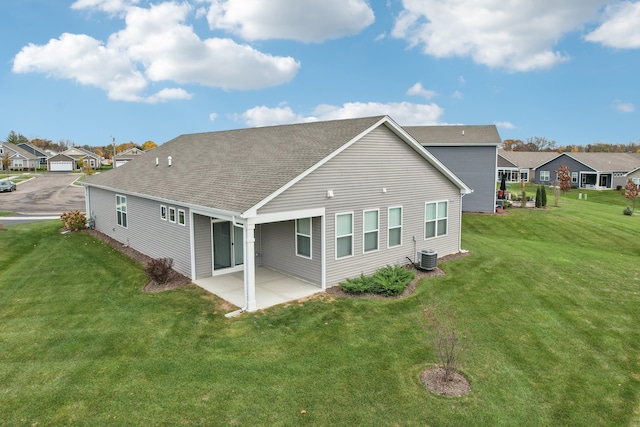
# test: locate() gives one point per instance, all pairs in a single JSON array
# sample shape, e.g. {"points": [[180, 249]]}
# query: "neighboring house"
{"points": [[590, 170], [87, 157], [470, 152], [126, 156], [40, 154], [319, 201], [519, 165], [19, 159], [61, 163], [634, 175]]}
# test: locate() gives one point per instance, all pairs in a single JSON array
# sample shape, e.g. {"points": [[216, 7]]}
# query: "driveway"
{"points": [[46, 195]]}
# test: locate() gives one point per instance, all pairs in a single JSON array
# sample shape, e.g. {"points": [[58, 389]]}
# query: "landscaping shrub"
{"points": [[538, 197], [392, 280], [158, 270], [628, 211], [543, 195], [74, 220], [389, 281], [358, 285]]}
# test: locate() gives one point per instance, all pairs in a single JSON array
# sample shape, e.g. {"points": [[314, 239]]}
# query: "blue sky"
{"points": [[88, 71]]}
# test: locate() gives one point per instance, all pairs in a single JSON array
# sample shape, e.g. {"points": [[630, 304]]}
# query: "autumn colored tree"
{"points": [[148, 145], [632, 192], [5, 161], [564, 179]]}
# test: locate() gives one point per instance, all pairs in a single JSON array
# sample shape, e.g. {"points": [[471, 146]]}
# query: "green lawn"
{"points": [[551, 298]]}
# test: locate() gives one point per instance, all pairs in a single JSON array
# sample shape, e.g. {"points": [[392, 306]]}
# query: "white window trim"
{"points": [[336, 235], [389, 228], [172, 213], [124, 213], [636, 181], [437, 218], [574, 177], [364, 232], [163, 212], [310, 236], [547, 174], [183, 221]]}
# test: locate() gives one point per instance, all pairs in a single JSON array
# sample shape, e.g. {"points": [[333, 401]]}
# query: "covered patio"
{"points": [[272, 287]]}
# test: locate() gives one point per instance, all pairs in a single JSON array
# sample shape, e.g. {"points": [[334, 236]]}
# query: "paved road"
{"points": [[45, 196]]}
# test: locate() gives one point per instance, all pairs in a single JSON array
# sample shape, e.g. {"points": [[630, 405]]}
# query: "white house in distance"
{"points": [[319, 202]]}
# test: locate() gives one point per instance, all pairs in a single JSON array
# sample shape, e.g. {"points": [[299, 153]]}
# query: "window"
{"points": [[172, 214], [545, 176], [121, 210], [524, 174], [371, 230], [303, 237], [436, 215], [17, 163], [636, 181], [395, 227], [163, 212], [574, 177], [344, 235], [181, 217]]}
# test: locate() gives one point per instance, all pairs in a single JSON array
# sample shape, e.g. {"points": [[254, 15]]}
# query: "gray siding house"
{"points": [[590, 170], [470, 152], [319, 201]]}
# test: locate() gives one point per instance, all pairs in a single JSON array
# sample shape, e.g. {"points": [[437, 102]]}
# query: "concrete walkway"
{"points": [[272, 288]]}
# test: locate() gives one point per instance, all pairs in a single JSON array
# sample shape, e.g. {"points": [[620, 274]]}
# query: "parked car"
{"points": [[7, 186]]}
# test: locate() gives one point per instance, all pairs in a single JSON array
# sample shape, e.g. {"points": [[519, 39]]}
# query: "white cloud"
{"points": [[518, 35], [85, 60], [504, 125], [265, 116], [624, 107], [418, 90], [457, 95], [621, 28], [404, 113], [303, 20], [167, 94], [109, 6], [155, 46], [213, 117]]}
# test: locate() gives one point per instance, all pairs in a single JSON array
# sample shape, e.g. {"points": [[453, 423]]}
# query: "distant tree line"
{"points": [[539, 143], [105, 151]]}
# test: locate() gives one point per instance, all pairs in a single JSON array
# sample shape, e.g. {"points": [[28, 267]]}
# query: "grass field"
{"points": [[551, 298]]}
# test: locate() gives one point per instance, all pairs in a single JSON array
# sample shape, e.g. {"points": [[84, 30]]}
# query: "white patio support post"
{"points": [[250, 266]]}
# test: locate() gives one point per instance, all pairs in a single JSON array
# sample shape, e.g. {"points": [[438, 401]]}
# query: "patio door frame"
{"points": [[235, 239]]}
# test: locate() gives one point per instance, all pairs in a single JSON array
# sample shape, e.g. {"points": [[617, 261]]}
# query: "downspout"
{"points": [[244, 250]]}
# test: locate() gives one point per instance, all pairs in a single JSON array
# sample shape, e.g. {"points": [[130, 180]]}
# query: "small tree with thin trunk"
{"points": [[445, 337], [564, 179], [632, 192]]}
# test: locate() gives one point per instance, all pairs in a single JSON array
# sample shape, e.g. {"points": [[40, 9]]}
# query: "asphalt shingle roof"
{"points": [[231, 170], [455, 135]]}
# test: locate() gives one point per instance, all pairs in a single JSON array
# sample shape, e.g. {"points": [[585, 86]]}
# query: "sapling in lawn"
{"points": [[632, 192], [445, 337]]}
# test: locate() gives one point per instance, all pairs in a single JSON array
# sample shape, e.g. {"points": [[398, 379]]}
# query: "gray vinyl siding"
{"points": [[203, 246], [145, 231], [278, 250], [357, 176], [554, 165], [476, 167]]}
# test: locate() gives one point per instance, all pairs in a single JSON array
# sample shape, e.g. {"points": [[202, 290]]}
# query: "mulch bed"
{"points": [[176, 280], [433, 379], [411, 287]]}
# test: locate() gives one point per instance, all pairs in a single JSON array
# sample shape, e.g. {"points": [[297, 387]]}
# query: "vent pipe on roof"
{"points": [[462, 132], [169, 160], [157, 161]]}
